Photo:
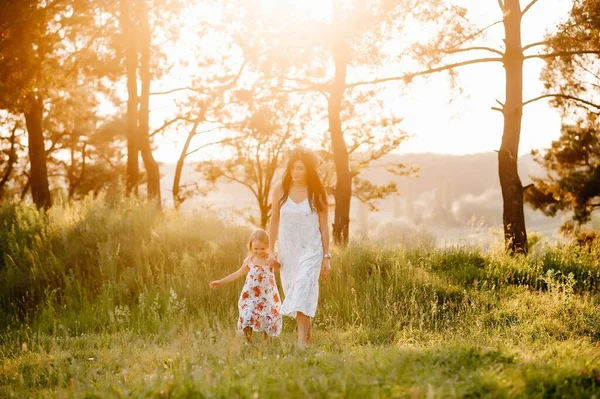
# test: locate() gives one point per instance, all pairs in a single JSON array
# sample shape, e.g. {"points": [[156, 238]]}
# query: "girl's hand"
{"points": [[274, 264], [215, 284], [325, 269]]}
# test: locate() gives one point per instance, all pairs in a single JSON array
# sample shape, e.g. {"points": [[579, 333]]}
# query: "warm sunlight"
{"points": [[313, 9], [299, 198], [437, 117]]}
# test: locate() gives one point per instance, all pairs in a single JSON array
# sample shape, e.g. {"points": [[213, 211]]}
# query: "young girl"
{"points": [[259, 303]]}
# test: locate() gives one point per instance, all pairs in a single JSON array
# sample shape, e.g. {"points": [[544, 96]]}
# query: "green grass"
{"points": [[110, 299]]}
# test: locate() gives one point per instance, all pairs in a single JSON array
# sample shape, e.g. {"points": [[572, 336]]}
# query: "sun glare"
{"points": [[457, 126], [313, 9]]}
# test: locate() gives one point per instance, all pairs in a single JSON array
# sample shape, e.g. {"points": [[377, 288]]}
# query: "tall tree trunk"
{"points": [[515, 234], [150, 164], [177, 199], [343, 186], [265, 211], [132, 173], [71, 173], [12, 158], [40, 190]]}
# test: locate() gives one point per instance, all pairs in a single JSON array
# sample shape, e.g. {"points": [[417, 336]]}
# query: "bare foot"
{"points": [[302, 345]]}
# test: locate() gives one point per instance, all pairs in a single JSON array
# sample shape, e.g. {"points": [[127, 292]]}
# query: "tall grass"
{"points": [[96, 265], [97, 276]]}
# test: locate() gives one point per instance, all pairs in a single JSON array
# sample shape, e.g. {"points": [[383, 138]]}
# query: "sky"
{"points": [[439, 118]]}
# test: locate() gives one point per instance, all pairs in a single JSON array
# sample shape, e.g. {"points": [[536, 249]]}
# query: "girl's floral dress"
{"points": [[259, 303]]}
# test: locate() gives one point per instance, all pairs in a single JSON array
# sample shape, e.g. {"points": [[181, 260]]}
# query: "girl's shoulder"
{"points": [[248, 262], [258, 264]]}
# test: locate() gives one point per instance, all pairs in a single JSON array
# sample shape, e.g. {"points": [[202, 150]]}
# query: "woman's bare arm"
{"points": [[324, 228], [274, 222]]}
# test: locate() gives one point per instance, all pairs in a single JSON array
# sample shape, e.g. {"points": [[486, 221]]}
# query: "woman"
{"points": [[299, 224]]}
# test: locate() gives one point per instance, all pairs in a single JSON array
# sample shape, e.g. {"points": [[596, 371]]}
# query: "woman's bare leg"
{"points": [[303, 322]]}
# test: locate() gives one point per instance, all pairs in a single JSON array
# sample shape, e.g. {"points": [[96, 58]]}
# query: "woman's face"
{"points": [[298, 172]]}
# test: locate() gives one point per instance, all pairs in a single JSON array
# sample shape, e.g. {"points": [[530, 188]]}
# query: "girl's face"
{"points": [[259, 248], [298, 172]]}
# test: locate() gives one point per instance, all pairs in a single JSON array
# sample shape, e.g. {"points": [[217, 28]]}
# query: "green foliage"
{"points": [[574, 76], [573, 174], [258, 146], [110, 298], [111, 253]]}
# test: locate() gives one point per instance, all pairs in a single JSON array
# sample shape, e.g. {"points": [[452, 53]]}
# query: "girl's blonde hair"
{"points": [[258, 235]]}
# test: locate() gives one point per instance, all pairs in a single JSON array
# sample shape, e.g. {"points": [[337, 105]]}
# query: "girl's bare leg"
{"points": [[267, 338], [248, 334]]}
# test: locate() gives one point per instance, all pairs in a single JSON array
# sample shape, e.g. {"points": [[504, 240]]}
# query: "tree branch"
{"points": [[169, 123], [236, 77], [109, 162], [230, 84], [477, 48], [204, 146], [564, 96], [580, 65], [55, 142], [561, 54], [409, 76], [474, 35], [528, 7], [532, 45], [222, 141], [12, 157], [25, 188], [160, 93], [501, 5], [243, 183]]}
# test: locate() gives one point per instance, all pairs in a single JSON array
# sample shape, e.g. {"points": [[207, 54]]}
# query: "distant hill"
{"points": [[467, 174], [450, 192]]}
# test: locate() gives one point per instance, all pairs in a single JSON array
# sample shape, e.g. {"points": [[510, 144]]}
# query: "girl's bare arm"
{"points": [[242, 271]]}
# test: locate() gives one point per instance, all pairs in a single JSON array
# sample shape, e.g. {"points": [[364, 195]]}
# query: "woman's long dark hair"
{"points": [[317, 198]]}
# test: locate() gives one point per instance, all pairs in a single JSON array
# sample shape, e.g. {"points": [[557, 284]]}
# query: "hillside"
{"points": [[450, 195]]}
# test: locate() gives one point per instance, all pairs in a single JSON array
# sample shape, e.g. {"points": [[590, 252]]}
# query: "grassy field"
{"points": [[111, 299]]}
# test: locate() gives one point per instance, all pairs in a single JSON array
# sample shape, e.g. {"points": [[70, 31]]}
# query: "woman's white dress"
{"points": [[301, 255]]}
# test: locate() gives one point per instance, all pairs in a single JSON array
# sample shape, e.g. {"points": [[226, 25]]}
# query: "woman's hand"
{"points": [[325, 268], [215, 284], [274, 264], [272, 257]]}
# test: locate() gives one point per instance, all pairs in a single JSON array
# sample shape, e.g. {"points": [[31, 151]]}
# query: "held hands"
{"points": [[273, 262]]}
